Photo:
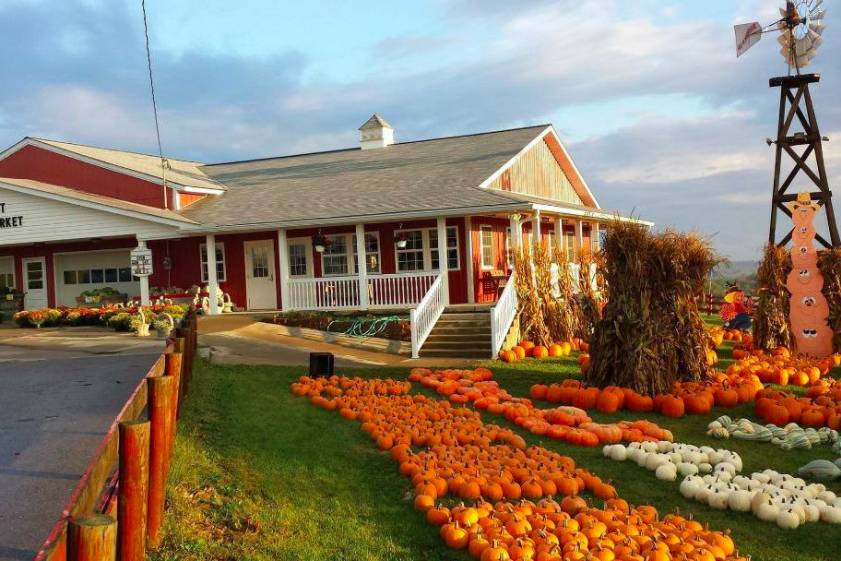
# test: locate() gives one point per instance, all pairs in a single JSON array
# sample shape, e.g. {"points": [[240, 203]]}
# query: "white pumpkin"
{"points": [[787, 519], [739, 500], [718, 499], [685, 468], [768, 512], [619, 453], [666, 472], [831, 514], [705, 467], [689, 486], [760, 498]]}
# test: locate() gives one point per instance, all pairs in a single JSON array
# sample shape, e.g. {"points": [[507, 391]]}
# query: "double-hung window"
{"points": [[372, 253], [421, 251], [220, 262], [334, 259], [486, 244]]}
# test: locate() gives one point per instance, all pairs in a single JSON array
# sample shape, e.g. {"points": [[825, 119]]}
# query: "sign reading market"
{"points": [[9, 221]]}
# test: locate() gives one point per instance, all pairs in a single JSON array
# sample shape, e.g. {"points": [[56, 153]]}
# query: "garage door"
{"points": [[79, 272]]}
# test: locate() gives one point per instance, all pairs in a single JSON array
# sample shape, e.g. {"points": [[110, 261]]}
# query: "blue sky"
{"points": [[648, 96]]}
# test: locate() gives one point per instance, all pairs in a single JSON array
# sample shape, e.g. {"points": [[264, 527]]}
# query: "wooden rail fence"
{"points": [[116, 510]]}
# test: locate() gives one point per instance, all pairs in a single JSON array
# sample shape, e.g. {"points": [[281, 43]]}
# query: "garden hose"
{"points": [[375, 327]]}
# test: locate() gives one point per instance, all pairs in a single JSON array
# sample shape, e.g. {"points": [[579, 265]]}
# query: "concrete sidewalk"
{"points": [[242, 339]]}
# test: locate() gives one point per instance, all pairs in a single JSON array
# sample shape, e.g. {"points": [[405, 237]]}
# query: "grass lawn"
{"points": [[263, 475]]}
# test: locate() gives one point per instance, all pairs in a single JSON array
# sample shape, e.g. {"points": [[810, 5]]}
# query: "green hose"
{"points": [[375, 326]]}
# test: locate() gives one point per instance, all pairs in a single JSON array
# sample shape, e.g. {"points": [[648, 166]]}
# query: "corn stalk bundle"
{"points": [[560, 317], [771, 327], [829, 262], [531, 304], [651, 333], [587, 306]]}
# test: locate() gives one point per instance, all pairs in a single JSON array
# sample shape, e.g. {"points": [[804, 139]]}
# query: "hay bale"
{"points": [[829, 262], [771, 326], [651, 333]]}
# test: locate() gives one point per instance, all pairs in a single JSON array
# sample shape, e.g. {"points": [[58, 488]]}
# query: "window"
{"points": [[298, 260], [410, 258], [7, 280], [7, 272], [334, 257], [124, 274], [70, 277], [84, 277], [220, 262], [372, 252], [452, 248], [569, 244], [97, 276], [421, 251], [35, 275], [486, 236], [111, 275]]}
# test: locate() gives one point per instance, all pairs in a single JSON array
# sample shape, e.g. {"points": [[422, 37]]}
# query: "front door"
{"points": [[34, 283], [259, 275]]}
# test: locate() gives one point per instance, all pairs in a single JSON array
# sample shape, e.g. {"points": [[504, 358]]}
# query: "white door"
{"points": [[260, 283], [34, 283]]}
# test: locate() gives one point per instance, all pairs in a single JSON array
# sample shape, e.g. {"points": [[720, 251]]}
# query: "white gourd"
{"points": [[760, 498], [831, 514], [689, 487], [768, 511], [718, 499], [685, 468], [666, 472], [619, 453], [787, 519], [739, 500], [705, 467]]}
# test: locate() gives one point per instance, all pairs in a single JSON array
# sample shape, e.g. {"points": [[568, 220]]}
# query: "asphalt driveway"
{"points": [[56, 403]]}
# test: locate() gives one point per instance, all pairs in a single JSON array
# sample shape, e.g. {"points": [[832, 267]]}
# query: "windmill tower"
{"points": [[799, 141]]}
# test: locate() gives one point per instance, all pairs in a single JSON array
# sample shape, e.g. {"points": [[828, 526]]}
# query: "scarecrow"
{"points": [[736, 309]]}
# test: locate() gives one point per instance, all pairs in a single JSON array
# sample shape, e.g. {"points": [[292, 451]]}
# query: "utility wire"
{"points": [[154, 101]]}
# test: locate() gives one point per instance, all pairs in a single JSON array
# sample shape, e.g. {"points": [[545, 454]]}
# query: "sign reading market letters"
{"points": [[141, 262], [9, 221]]}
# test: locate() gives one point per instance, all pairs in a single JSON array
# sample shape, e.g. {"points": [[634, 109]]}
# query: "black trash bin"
{"points": [[321, 364]]}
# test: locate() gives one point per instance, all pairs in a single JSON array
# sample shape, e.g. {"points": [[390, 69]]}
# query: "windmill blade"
{"points": [[818, 27], [816, 38], [818, 15], [747, 35]]}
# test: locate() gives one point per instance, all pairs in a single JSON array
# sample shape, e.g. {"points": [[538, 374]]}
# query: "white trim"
{"points": [[427, 250], [283, 267], [29, 141], [482, 229], [197, 190], [379, 271], [96, 206], [202, 263], [575, 169], [589, 214]]}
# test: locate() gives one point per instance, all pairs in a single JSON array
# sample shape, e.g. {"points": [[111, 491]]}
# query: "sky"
{"points": [[660, 117]]}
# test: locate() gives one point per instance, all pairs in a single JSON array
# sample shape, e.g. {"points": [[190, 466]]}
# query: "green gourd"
{"points": [[823, 470]]}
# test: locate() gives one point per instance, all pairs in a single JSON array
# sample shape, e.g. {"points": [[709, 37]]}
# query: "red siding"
{"points": [[31, 162]]}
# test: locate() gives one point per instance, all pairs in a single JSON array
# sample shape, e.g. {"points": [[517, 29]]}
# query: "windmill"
{"points": [[800, 29]]}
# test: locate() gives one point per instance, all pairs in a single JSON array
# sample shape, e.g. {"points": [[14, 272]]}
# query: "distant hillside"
{"points": [[741, 272]]}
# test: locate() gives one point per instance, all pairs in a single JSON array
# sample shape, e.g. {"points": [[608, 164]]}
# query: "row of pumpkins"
{"points": [[462, 457], [570, 424], [528, 349], [713, 477], [821, 407], [781, 367]]}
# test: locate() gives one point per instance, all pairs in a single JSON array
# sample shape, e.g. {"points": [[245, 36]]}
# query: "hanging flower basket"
{"points": [[321, 243], [401, 240]]}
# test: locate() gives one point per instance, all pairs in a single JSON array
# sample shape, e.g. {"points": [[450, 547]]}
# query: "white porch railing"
{"points": [[400, 290], [503, 314], [396, 290], [426, 314]]}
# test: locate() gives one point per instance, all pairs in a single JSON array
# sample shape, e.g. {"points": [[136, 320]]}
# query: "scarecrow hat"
{"points": [[803, 199]]}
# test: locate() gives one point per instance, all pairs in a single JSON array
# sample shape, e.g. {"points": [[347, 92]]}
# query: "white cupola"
{"points": [[375, 133]]}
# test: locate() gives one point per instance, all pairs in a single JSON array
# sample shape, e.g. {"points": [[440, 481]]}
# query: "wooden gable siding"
{"points": [[539, 173]]}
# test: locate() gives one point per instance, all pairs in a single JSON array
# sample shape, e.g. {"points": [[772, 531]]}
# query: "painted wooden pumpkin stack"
{"points": [[809, 308]]}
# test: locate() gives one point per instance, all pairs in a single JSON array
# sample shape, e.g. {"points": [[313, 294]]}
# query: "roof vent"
{"points": [[376, 133]]}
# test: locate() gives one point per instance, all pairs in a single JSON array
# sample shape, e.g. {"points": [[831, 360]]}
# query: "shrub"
{"points": [[120, 321]]}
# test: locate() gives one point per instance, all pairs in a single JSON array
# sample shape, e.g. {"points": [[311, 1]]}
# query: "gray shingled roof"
{"points": [[411, 177]]}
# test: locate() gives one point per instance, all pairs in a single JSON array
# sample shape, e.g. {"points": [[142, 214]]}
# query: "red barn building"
{"points": [[382, 214]]}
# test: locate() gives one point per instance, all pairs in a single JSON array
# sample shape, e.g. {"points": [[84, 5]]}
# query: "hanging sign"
{"points": [[141, 262]]}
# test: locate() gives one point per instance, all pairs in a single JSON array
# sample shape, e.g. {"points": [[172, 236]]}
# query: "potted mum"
{"points": [[37, 318], [320, 242], [163, 324]]}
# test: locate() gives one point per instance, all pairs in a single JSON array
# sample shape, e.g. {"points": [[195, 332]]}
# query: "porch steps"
{"points": [[460, 333]]}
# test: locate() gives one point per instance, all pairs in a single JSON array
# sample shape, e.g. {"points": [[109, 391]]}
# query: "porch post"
{"points": [[559, 233], [535, 228], [516, 232], [579, 239], [212, 283], [595, 233], [145, 298], [282, 251], [442, 258], [468, 238], [361, 266]]}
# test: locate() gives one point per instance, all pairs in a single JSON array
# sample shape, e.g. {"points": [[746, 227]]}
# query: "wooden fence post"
{"points": [[175, 367], [92, 538], [162, 417], [133, 490]]}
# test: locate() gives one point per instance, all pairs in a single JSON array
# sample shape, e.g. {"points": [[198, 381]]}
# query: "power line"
{"points": [[154, 101]]}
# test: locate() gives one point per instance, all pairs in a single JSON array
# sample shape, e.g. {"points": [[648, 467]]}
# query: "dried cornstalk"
{"points": [[829, 262], [531, 313], [771, 327], [561, 318], [651, 333]]}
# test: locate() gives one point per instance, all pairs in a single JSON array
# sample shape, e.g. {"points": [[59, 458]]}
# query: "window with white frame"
{"points": [[486, 239], [421, 251], [334, 258], [452, 248], [220, 262], [372, 253], [7, 272], [569, 243]]}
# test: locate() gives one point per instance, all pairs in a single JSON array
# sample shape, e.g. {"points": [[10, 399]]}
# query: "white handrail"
{"points": [[503, 314], [426, 314]]}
